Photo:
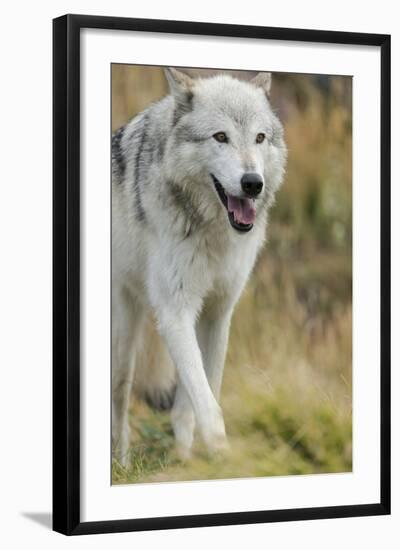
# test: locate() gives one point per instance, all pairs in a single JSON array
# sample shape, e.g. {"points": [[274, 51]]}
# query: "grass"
{"points": [[287, 391]]}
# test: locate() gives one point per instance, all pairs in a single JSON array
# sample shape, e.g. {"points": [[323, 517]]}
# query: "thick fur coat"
{"points": [[193, 178]]}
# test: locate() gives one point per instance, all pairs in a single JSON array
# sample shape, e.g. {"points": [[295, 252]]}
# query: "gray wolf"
{"points": [[193, 177]]}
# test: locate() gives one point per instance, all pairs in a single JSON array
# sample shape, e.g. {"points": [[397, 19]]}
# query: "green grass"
{"points": [[287, 390], [287, 387]]}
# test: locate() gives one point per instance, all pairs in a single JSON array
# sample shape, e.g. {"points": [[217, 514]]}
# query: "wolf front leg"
{"points": [[180, 336], [183, 422]]}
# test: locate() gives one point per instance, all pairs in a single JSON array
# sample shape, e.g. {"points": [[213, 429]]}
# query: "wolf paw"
{"points": [[122, 458], [216, 441], [184, 452], [183, 423], [218, 447]]}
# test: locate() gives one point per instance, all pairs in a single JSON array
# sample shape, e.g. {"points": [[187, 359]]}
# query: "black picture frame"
{"points": [[66, 273]]}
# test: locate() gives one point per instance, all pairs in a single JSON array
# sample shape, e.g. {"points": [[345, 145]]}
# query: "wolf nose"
{"points": [[252, 184]]}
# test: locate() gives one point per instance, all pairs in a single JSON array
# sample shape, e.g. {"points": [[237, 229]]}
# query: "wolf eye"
{"points": [[260, 137], [221, 137]]}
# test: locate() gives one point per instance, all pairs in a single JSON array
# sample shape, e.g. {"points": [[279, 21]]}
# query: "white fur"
{"points": [[189, 278]]}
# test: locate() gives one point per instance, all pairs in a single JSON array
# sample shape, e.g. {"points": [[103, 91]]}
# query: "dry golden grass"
{"points": [[287, 385]]}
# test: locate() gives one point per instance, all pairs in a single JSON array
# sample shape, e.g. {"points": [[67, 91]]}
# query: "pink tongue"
{"points": [[243, 209]]}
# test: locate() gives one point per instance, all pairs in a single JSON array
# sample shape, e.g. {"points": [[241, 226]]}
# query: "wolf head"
{"points": [[227, 140]]}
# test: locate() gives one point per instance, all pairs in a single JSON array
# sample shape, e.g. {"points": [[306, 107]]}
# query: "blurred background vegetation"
{"points": [[287, 385]]}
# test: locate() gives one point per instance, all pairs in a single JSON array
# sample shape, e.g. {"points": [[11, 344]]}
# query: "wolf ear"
{"points": [[180, 84], [181, 87], [263, 81]]}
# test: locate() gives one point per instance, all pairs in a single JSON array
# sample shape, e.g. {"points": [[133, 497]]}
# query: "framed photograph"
{"points": [[221, 274]]}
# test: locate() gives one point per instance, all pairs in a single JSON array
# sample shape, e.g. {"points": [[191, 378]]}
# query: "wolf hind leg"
{"points": [[127, 324], [155, 374], [213, 334]]}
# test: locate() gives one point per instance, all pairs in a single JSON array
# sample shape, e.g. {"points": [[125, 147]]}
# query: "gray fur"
{"points": [[186, 132], [183, 204], [141, 166], [118, 155]]}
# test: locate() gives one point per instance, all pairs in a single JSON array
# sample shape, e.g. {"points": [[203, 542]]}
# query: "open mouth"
{"points": [[241, 211]]}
